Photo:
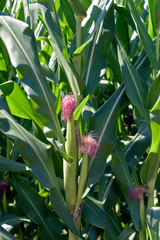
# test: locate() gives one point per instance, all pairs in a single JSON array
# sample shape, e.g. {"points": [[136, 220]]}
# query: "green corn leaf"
{"points": [[50, 226], [96, 58], [104, 124], [39, 158], [121, 172], [21, 46], [79, 109], [157, 16], [76, 82], [94, 212], [135, 86], [12, 219], [2, 4], [18, 102], [137, 146], [10, 165], [153, 94], [50, 17], [143, 34], [35, 152], [127, 233], [69, 15], [95, 13], [77, 8], [151, 6]]}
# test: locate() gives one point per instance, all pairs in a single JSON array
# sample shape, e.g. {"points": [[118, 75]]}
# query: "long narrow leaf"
{"points": [[48, 10], [104, 123], [39, 157], [135, 86], [37, 154], [137, 146], [121, 172], [10, 165], [21, 46], [143, 34], [38, 212]]}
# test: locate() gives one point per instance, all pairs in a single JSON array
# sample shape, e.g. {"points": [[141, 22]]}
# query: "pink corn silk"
{"points": [[88, 145], [137, 192], [68, 106]]}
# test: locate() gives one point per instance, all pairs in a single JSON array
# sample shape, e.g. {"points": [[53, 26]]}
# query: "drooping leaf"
{"points": [[35, 152], [21, 46], [39, 157], [50, 226]]}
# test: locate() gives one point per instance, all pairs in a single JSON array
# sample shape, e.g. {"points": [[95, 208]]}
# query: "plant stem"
{"points": [[81, 188], [70, 170], [151, 198], [142, 233]]}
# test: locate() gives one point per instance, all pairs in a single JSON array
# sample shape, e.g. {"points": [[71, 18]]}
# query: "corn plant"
{"points": [[79, 119]]}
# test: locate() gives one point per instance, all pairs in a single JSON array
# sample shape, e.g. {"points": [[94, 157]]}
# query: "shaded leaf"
{"points": [[135, 86], [153, 94], [123, 177], [11, 165], [104, 123], [137, 146], [49, 224]]}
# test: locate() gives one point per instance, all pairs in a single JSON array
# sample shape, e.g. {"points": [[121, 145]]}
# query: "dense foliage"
{"points": [[87, 166]]}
